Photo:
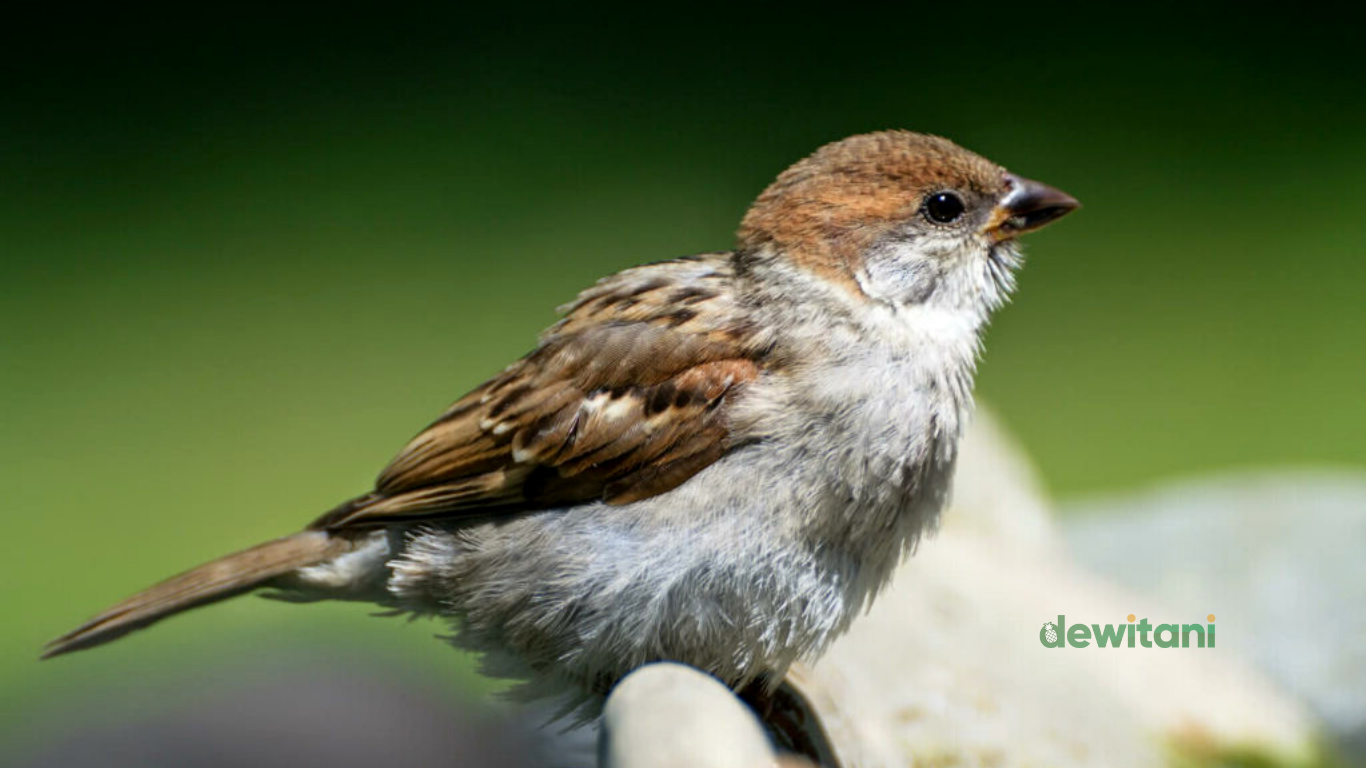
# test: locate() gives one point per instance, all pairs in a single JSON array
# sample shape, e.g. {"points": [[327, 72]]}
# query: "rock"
{"points": [[947, 667], [1277, 556], [673, 716]]}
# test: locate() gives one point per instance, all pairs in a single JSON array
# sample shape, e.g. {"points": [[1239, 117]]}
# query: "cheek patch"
{"points": [[900, 275]]}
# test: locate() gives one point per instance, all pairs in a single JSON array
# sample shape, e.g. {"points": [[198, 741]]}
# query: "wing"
{"points": [[625, 398]]}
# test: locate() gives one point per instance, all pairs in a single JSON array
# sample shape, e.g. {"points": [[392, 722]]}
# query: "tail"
{"points": [[217, 580]]}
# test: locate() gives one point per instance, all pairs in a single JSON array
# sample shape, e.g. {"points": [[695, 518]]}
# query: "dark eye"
{"points": [[944, 207]]}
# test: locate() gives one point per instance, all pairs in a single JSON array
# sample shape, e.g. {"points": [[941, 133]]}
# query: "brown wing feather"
{"points": [[623, 399]]}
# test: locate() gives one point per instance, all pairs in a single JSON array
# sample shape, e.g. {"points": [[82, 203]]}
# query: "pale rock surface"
{"points": [[1276, 555], [673, 716], [947, 668]]}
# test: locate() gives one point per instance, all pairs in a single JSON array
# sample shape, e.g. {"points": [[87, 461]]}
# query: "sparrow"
{"points": [[716, 460]]}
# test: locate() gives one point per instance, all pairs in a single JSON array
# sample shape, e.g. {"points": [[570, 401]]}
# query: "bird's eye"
{"points": [[944, 207]]}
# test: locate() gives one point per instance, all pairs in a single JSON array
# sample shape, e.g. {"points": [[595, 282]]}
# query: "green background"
{"points": [[247, 255]]}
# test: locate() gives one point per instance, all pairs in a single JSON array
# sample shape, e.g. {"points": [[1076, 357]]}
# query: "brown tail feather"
{"points": [[217, 580]]}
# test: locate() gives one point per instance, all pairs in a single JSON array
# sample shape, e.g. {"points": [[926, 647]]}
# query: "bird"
{"points": [[716, 460]]}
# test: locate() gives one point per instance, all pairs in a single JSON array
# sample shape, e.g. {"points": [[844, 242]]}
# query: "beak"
{"points": [[1027, 206]]}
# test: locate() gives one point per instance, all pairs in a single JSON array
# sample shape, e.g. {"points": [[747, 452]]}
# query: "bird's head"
{"points": [[902, 218]]}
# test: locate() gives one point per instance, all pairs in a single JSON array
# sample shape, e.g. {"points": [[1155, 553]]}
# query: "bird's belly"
{"points": [[720, 573]]}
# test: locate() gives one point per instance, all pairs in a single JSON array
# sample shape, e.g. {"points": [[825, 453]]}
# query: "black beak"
{"points": [[1027, 206]]}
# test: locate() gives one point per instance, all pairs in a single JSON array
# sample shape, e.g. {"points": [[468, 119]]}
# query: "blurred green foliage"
{"points": [[246, 256]]}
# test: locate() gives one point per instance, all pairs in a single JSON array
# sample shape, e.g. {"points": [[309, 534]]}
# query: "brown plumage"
{"points": [[623, 399]]}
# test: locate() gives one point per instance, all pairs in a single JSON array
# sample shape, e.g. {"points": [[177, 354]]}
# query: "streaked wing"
{"points": [[623, 399]]}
